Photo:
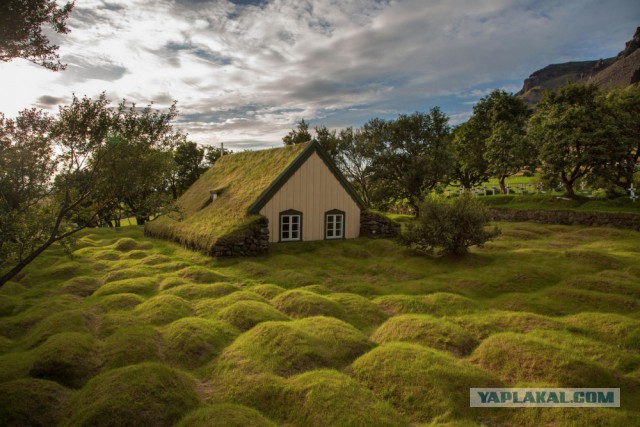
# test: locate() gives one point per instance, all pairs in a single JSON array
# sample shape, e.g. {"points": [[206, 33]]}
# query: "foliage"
{"points": [[21, 30], [469, 148], [414, 154], [450, 227], [576, 134], [299, 135]]}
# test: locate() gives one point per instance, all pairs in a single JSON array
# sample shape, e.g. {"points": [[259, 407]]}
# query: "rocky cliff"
{"points": [[619, 71]]}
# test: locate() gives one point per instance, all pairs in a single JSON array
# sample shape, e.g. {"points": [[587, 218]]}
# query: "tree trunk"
{"points": [[503, 187], [140, 220], [568, 188], [22, 264]]}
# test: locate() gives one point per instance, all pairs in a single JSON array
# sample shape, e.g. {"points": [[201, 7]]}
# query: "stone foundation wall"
{"points": [[251, 242], [597, 219], [375, 225]]}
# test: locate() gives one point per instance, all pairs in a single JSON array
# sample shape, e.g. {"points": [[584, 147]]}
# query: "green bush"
{"points": [[450, 228]]}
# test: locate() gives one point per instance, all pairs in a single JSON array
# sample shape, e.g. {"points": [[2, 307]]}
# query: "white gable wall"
{"points": [[312, 190]]}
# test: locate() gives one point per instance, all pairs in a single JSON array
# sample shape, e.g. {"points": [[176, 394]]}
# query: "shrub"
{"points": [[450, 228]]}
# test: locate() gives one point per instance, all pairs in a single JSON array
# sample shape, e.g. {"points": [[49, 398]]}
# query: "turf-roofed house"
{"points": [[250, 199]]}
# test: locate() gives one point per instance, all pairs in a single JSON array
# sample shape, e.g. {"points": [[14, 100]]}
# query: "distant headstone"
{"points": [[632, 193]]}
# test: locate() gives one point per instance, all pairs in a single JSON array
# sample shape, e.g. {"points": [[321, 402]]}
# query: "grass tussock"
{"points": [[147, 394], [125, 301], [267, 291], [32, 402], [299, 304], [423, 384], [163, 309], [139, 285], [82, 286], [191, 292], [207, 307], [199, 274], [483, 324], [428, 331], [132, 345], [244, 315], [523, 358], [331, 398], [289, 348], [437, 304], [65, 321], [69, 358], [225, 415], [359, 311], [192, 341]]}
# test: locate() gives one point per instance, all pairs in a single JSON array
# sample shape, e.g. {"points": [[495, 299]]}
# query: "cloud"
{"points": [[245, 71]]}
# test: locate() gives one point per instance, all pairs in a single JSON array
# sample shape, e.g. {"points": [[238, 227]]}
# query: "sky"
{"points": [[245, 71]]}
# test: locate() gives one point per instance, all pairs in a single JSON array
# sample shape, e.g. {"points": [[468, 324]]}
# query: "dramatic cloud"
{"points": [[244, 71]]}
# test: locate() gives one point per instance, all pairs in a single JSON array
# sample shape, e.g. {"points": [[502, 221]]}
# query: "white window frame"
{"points": [[334, 225], [294, 228]]}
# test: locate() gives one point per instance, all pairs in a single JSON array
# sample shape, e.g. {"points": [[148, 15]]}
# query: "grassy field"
{"points": [[138, 331]]}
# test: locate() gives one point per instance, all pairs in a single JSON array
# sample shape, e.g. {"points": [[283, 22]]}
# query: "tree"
{"points": [[212, 154], [21, 30], [500, 120], [625, 106], [299, 135], [470, 165], [450, 228], [575, 133], [189, 165], [328, 139], [354, 156], [52, 173], [414, 154]]}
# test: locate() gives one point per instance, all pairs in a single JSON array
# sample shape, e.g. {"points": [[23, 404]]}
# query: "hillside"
{"points": [[619, 71]]}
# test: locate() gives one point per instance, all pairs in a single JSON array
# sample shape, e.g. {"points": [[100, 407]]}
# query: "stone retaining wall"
{"points": [[251, 242], [597, 219], [376, 225]]}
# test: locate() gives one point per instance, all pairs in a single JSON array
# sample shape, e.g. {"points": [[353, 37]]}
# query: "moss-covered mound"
{"points": [[424, 384], [288, 348], [32, 402], [191, 291], [483, 324], [612, 328], [147, 394], [245, 315], [163, 309], [438, 304], [316, 289], [70, 358], [200, 275], [267, 291], [127, 244], [210, 306], [426, 330], [225, 415], [330, 398], [65, 321], [124, 273], [132, 345], [118, 302], [518, 357], [191, 341], [139, 285], [299, 304], [360, 311], [15, 326], [82, 286]]}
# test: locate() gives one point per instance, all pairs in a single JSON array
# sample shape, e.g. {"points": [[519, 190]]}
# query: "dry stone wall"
{"points": [[597, 219], [376, 225], [251, 242]]}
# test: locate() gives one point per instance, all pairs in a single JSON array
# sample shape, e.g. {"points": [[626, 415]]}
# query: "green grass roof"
{"points": [[239, 180]]}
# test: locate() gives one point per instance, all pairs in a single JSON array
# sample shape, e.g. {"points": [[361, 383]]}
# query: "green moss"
{"points": [[210, 306], [428, 331], [611, 328], [517, 357], [200, 275], [192, 341], [316, 289], [438, 304], [32, 402], [225, 415], [118, 302], [288, 348], [132, 345], [330, 398], [15, 365], [171, 282], [199, 291], [245, 315], [484, 323], [147, 394], [360, 311], [267, 291], [163, 309], [124, 273], [16, 326], [140, 285], [127, 244], [82, 286], [5, 344], [9, 305], [65, 321], [155, 259], [423, 384], [70, 358], [301, 304]]}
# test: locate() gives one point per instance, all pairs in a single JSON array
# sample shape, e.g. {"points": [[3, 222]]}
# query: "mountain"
{"points": [[619, 71]]}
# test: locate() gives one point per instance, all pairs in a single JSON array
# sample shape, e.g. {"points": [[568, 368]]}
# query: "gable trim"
{"points": [[276, 185]]}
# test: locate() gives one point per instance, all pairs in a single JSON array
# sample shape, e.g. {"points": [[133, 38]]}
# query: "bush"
{"points": [[450, 228]]}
